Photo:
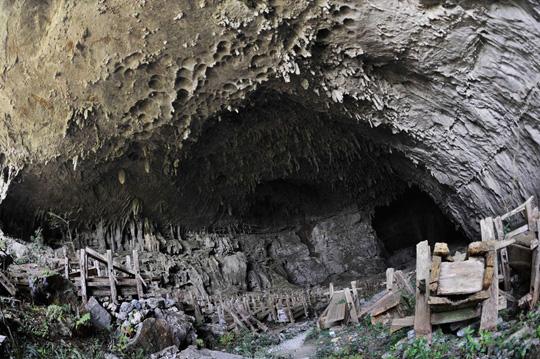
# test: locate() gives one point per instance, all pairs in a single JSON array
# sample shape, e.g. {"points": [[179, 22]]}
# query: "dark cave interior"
{"points": [[414, 217]]}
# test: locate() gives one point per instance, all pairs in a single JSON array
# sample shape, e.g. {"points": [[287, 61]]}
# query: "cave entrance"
{"points": [[411, 218]]}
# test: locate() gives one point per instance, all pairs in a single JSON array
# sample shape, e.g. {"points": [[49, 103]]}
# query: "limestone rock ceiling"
{"points": [[196, 111]]}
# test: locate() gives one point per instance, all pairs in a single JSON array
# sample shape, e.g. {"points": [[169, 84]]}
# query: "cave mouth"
{"points": [[410, 218]]}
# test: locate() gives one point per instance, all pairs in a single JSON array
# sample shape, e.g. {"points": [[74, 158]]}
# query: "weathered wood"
{"points": [[445, 303], [453, 316], [441, 250], [460, 278], [336, 310], [488, 320], [352, 307], [110, 272], [434, 273], [103, 259], [422, 318], [6, 283], [518, 209], [535, 270], [136, 269], [389, 278], [66, 263], [82, 269], [457, 315], [387, 302], [517, 231], [481, 248], [403, 284], [354, 290]]}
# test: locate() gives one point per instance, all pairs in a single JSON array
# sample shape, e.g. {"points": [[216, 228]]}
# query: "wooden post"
{"points": [[529, 215], [352, 306], [331, 290], [354, 290], [140, 291], [504, 265], [535, 269], [422, 316], [66, 263], [82, 271], [389, 278], [112, 280], [490, 310]]}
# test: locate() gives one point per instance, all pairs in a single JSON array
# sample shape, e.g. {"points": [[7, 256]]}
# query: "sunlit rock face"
{"points": [[223, 114]]}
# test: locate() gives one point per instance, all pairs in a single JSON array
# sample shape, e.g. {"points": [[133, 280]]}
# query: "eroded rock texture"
{"points": [[128, 118]]}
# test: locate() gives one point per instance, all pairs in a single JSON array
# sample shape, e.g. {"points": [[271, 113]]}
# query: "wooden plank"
{"points": [[488, 320], [352, 306], [518, 209], [445, 303], [82, 269], [535, 271], [112, 282], [422, 317], [399, 323], [460, 277], [389, 278], [336, 309], [387, 302], [434, 273], [453, 316], [6, 283], [517, 231], [140, 291]]}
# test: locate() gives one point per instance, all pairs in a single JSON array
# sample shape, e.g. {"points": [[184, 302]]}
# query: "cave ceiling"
{"points": [[202, 112]]}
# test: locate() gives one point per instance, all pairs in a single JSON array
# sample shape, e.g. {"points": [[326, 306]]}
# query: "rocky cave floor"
{"points": [[51, 322]]}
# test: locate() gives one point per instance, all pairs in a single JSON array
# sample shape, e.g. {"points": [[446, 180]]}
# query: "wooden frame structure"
{"points": [[118, 280]]}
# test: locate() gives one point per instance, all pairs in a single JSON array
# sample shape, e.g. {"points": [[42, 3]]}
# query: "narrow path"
{"points": [[295, 348]]}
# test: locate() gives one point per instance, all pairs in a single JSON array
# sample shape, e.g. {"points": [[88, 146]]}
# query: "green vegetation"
{"points": [[246, 343]]}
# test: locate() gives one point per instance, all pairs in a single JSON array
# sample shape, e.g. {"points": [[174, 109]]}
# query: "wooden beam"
{"points": [[435, 273], [112, 281], [82, 269], [140, 291], [535, 271], [66, 263], [6, 283], [490, 312], [352, 306], [389, 278], [503, 254], [518, 209], [422, 317]]}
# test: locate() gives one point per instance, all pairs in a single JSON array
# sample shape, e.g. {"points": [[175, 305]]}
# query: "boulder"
{"points": [[52, 288], [181, 327], [100, 318], [152, 336]]}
